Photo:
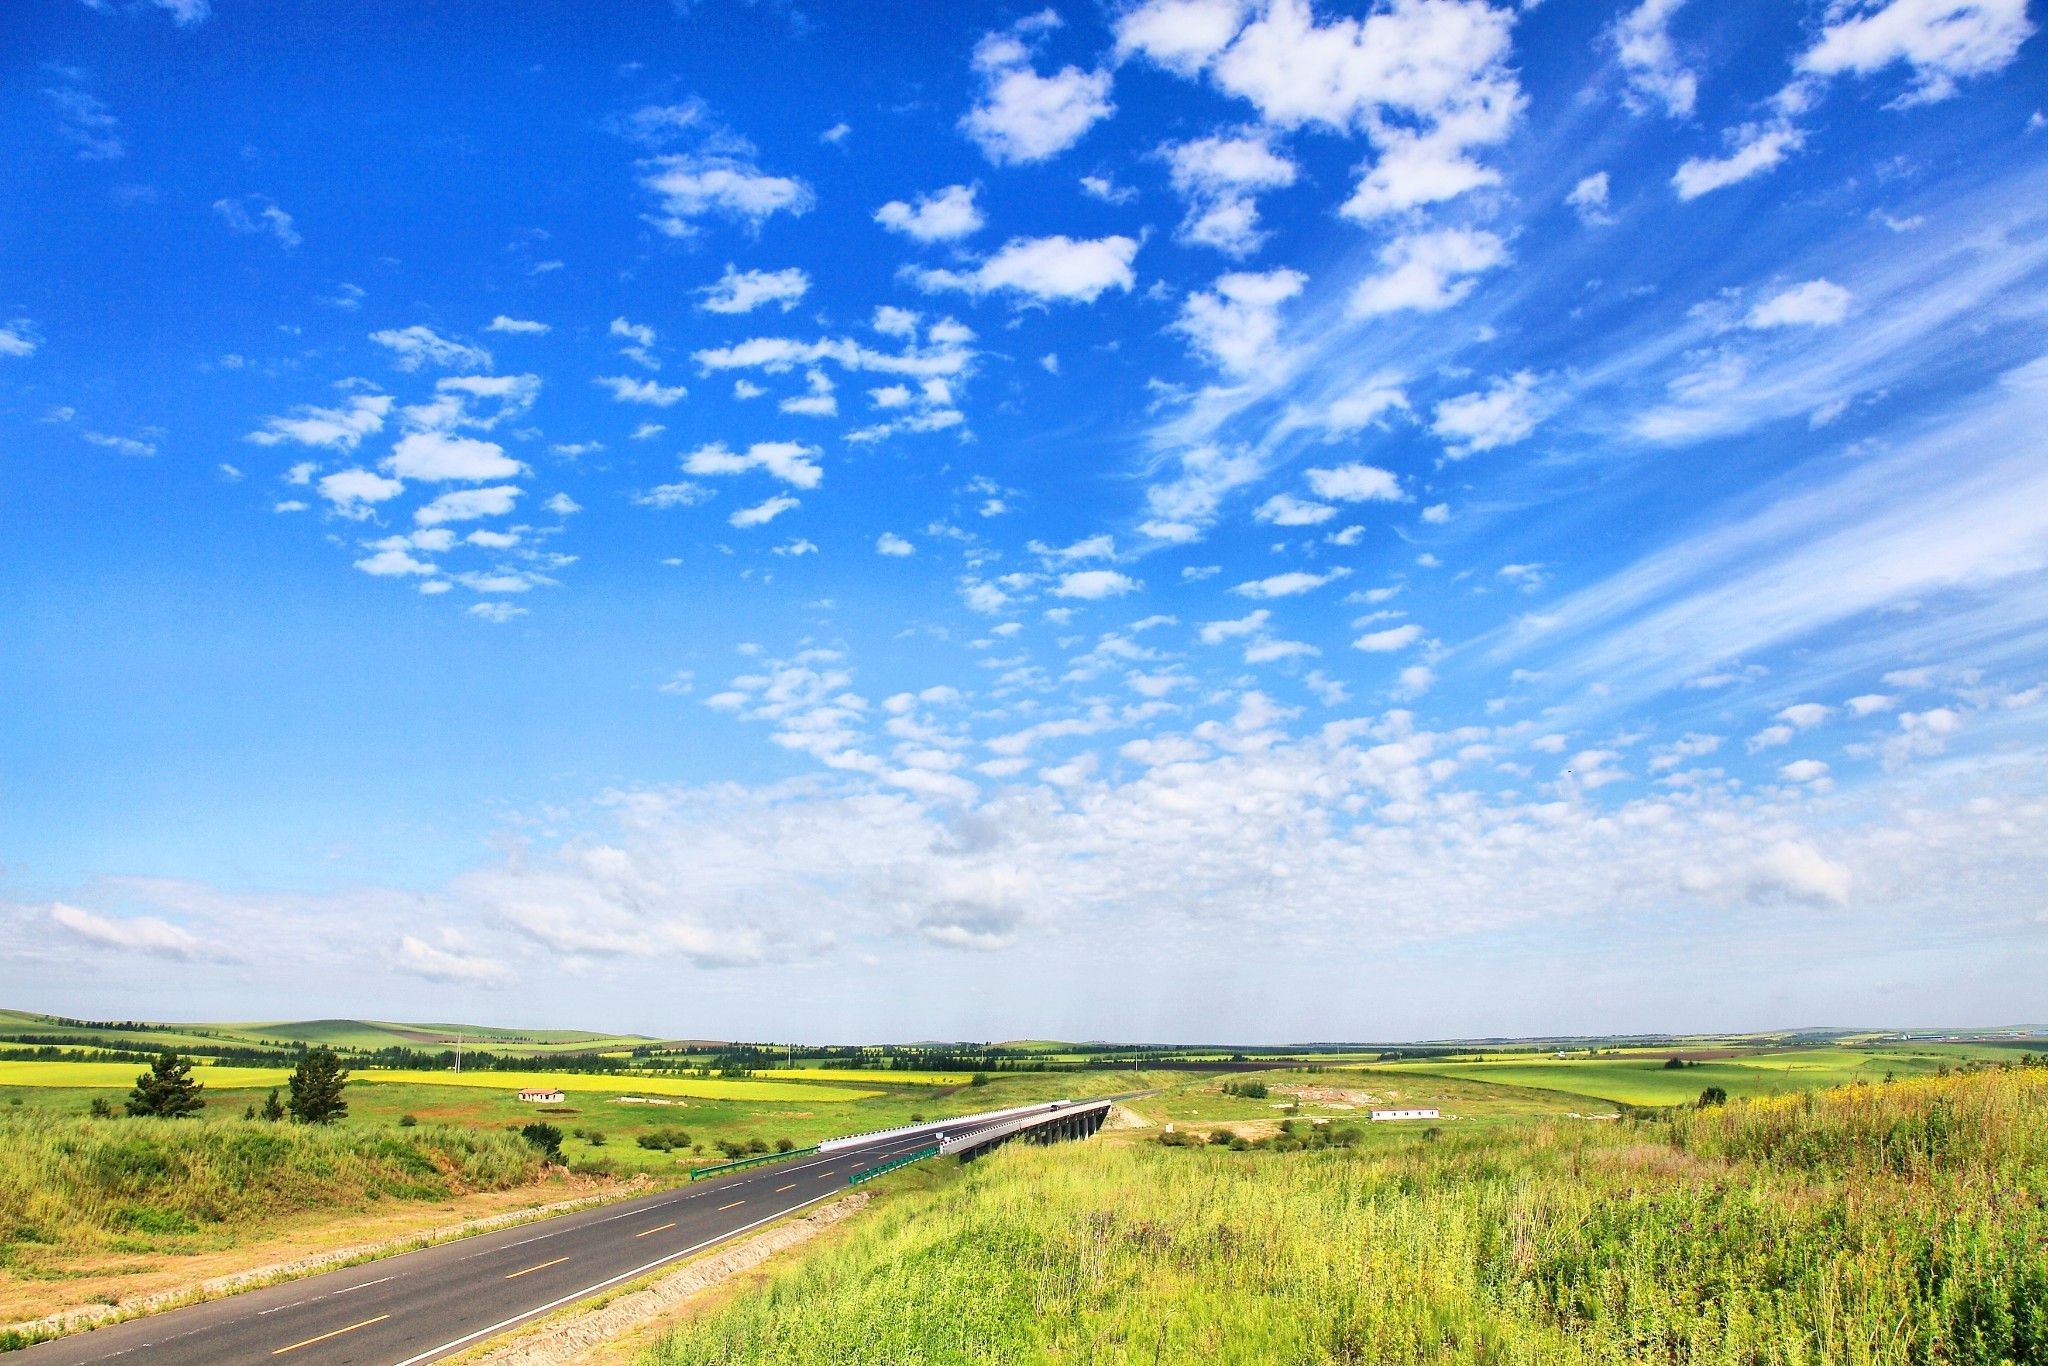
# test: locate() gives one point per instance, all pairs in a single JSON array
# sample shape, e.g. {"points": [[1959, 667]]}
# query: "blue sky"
{"points": [[1174, 519]]}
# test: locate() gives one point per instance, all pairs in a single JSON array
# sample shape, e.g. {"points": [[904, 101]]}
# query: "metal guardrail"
{"points": [[754, 1161], [892, 1164], [951, 1123]]}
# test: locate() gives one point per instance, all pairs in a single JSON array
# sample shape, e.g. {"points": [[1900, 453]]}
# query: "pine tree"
{"points": [[273, 1108], [316, 1087], [166, 1089]]}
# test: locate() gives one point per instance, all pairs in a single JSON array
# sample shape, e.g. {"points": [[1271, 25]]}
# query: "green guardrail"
{"points": [[892, 1164], [754, 1161]]}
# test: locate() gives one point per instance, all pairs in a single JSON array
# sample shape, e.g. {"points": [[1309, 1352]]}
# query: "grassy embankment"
{"points": [[1871, 1224], [82, 1197]]}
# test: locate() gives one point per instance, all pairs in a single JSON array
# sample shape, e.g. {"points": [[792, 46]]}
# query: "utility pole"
{"points": [[458, 1052]]}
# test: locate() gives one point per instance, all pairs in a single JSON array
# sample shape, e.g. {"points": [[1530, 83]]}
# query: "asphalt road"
{"points": [[421, 1306]]}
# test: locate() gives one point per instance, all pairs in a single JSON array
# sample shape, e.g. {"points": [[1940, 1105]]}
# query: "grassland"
{"points": [[1871, 1224]]}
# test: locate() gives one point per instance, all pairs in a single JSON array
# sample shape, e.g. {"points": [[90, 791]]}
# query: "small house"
{"points": [[1405, 1114], [533, 1095]]}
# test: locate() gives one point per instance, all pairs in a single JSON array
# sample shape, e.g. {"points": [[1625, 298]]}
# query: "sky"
{"points": [[1154, 519]]}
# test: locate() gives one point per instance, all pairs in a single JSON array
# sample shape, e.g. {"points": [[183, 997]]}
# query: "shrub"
{"points": [[545, 1138]]}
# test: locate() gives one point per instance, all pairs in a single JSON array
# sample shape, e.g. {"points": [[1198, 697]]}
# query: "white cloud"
{"points": [[18, 338], [1387, 641], [437, 457], [562, 505], [1758, 148], [339, 429], [1943, 41], [1218, 176], [691, 186], [1428, 272], [392, 558], [1642, 42], [1023, 117], [1290, 584], [680, 495], [743, 291], [451, 964], [468, 505], [1803, 771], [1501, 415], [1059, 268], [143, 934], [627, 389], [1437, 513], [519, 327], [497, 613], [945, 215], [763, 512], [1870, 703], [1817, 303], [1094, 584], [792, 462], [1181, 35], [1236, 323], [1284, 509], [353, 491], [418, 345], [889, 543], [253, 215], [1355, 483], [1107, 190], [1589, 200]]}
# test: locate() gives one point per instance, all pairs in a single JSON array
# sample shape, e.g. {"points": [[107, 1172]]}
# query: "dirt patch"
{"points": [[1335, 1097], [1121, 1117], [588, 1337]]}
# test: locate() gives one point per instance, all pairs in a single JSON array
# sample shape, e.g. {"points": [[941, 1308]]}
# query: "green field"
{"points": [[1881, 1225], [105, 1075], [1641, 1078]]}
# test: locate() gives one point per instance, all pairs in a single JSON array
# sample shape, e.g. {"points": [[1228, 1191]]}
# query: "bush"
{"points": [[1713, 1095], [1222, 1138], [1246, 1090], [785, 1145], [408, 1121], [545, 1139]]}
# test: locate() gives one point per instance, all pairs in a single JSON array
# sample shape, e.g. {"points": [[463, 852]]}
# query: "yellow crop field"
{"points": [[121, 1075], [874, 1077]]}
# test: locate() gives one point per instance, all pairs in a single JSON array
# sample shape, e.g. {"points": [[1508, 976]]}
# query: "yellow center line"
{"points": [[734, 1205], [790, 1187], [335, 1334], [531, 1269], [664, 1228]]}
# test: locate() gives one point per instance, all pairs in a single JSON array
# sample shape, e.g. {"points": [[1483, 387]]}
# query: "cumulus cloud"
{"points": [[437, 457], [468, 505], [1291, 584], [1023, 117], [1355, 483], [1500, 415], [340, 429], [1235, 324], [792, 462], [628, 389], [1427, 272], [18, 338], [1817, 303], [944, 215], [743, 291], [451, 964], [1942, 41], [1755, 148], [1642, 44], [419, 345], [1091, 585], [1391, 639], [518, 327], [1056, 269], [1218, 176], [353, 492], [760, 514], [1589, 200], [693, 186], [889, 543]]}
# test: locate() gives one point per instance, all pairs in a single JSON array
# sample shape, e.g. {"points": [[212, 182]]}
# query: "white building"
{"points": [[1405, 1114], [534, 1096]]}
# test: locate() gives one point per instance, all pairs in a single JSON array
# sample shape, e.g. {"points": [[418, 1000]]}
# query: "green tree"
{"points": [[273, 1108], [102, 1108], [1712, 1096], [316, 1086], [166, 1090]]}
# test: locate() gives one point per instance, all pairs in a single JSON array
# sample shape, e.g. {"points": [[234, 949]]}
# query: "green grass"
{"points": [[1878, 1225], [73, 1187]]}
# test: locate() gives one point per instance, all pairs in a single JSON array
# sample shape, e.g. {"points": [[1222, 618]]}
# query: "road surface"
{"points": [[421, 1306]]}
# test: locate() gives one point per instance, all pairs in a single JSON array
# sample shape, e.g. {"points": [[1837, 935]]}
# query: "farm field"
{"points": [[1643, 1079], [1877, 1224], [121, 1075]]}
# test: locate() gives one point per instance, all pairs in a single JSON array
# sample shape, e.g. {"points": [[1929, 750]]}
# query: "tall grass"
{"points": [[1899, 1226], [71, 1186]]}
